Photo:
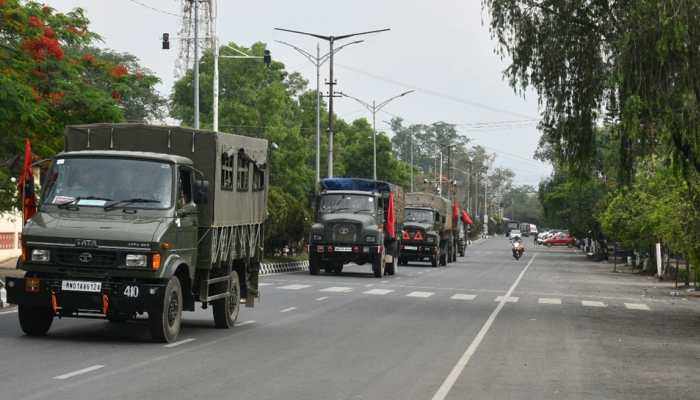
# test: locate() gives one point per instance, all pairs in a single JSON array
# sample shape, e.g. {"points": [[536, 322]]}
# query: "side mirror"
{"points": [[201, 191]]}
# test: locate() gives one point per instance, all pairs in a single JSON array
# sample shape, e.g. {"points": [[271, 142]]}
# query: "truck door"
{"points": [[187, 216]]}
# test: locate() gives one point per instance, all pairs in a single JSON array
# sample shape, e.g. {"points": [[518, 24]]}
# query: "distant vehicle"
{"points": [[542, 236], [533, 229], [560, 239], [511, 226], [515, 233]]}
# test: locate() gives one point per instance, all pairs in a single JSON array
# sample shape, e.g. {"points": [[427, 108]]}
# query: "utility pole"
{"points": [[486, 204], [411, 137], [331, 41], [374, 108], [469, 187], [440, 178], [317, 61], [196, 64]]}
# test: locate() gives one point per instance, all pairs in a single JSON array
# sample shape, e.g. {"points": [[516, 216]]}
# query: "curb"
{"points": [[3, 295], [277, 268]]}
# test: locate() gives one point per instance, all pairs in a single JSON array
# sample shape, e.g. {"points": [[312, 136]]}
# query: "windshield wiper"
{"points": [[73, 204], [118, 203]]}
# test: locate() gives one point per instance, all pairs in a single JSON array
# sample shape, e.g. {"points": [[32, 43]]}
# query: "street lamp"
{"points": [[331, 40], [317, 60], [374, 108]]}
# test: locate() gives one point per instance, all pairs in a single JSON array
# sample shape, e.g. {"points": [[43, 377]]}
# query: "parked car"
{"points": [[560, 239]]}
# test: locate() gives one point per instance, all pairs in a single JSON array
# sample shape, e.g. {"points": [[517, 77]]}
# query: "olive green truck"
{"points": [[137, 219], [429, 233]]}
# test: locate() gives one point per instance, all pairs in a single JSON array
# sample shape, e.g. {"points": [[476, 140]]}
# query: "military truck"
{"points": [[138, 219], [428, 230], [356, 220]]}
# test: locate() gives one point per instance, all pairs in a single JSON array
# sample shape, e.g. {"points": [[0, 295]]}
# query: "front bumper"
{"points": [[115, 297], [418, 252], [345, 253]]}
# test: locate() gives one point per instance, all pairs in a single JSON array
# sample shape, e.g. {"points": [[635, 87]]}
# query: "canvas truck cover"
{"points": [[215, 154], [427, 200]]}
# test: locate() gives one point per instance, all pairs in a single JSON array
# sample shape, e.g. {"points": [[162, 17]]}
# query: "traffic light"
{"points": [[267, 58], [166, 41]]}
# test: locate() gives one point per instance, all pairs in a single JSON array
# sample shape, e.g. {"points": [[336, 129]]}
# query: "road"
{"points": [[550, 326]]}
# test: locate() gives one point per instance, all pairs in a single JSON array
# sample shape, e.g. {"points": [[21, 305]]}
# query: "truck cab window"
{"points": [[184, 187]]}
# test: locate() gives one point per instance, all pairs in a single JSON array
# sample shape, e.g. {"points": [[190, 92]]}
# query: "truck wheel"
{"points": [[314, 267], [378, 265], [434, 261], [226, 310], [166, 318], [35, 321]]}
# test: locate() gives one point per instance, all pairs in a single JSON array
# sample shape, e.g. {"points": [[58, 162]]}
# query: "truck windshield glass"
{"points": [[417, 215], [98, 182], [352, 203]]}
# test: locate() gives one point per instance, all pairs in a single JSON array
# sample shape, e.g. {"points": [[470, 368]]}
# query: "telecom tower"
{"points": [[198, 20]]}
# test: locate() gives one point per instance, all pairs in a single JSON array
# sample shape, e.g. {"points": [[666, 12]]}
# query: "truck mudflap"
{"points": [[84, 297]]}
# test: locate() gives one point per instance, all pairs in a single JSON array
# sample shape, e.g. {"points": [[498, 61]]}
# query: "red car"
{"points": [[560, 239]]}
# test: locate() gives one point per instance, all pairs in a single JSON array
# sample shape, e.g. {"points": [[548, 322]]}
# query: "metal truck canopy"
{"points": [[219, 156], [359, 184]]}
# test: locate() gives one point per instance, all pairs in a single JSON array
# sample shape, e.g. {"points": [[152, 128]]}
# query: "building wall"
{"points": [[10, 230]]}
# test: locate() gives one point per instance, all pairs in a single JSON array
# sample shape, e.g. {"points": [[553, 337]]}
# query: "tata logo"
{"points": [[86, 243], [85, 258], [344, 230]]}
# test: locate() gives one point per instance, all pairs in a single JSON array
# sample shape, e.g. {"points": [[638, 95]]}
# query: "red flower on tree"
{"points": [[116, 95], [56, 98], [49, 33], [119, 71], [88, 58], [40, 48], [35, 22]]}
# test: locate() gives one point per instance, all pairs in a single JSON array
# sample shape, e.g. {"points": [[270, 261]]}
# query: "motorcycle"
{"points": [[518, 250]]}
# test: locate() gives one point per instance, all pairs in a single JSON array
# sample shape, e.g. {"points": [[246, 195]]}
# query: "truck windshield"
{"points": [[417, 215], [98, 182], [352, 203]]}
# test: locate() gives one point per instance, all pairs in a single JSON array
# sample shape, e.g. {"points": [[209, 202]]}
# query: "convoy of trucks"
{"points": [[141, 219], [137, 219]]}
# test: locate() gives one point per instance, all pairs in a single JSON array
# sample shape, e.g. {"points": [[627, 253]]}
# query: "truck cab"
{"points": [[421, 235]]}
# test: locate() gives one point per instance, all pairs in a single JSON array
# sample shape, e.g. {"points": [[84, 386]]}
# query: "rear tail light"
{"points": [[355, 249], [319, 249], [330, 249]]}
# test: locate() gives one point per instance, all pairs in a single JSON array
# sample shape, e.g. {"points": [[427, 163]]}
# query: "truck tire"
{"points": [[35, 321], [226, 310], [314, 266], [434, 261], [378, 265], [393, 267], [165, 319]]}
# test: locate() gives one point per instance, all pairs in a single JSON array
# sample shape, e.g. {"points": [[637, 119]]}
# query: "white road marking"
{"points": [[452, 377], [322, 298], [384, 281], [264, 284], [507, 299], [369, 285], [420, 294], [175, 344], [637, 306], [294, 287], [244, 323], [79, 372], [379, 292], [8, 312], [288, 309], [460, 296], [588, 303], [548, 300], [337, 289]]}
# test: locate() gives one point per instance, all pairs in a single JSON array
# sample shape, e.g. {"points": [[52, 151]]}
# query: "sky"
{"points": [[440, 48]]}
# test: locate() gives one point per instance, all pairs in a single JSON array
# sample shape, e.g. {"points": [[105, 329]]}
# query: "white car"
{"points": [[515, 233]]}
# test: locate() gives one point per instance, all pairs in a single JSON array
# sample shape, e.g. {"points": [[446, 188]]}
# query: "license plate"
{"points": [[410, 247], [81, 286], [343, 249]]}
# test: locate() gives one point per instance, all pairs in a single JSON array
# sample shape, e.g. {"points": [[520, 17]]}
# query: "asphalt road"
{"points": [[550, 326]]}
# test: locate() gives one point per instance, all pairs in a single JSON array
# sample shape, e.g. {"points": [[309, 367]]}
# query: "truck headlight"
{"points": [[370, 239], [136, 260], [40, 255], [431, 239], [316, 237]]}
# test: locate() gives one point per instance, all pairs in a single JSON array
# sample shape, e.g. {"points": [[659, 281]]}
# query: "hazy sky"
{"points": [[441, 48]]}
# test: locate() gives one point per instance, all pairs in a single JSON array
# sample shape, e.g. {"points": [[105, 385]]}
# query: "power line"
{"points": [[158, 10], [435, 92]]}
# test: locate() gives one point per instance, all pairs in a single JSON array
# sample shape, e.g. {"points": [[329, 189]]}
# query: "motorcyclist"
{"points": [[518, 247]]}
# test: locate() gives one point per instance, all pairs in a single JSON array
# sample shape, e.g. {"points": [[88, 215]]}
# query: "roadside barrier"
{"points": [[277, 268], [3, 294]]}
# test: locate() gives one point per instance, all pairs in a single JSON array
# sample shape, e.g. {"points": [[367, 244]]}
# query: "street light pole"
{"points": [[196, 64], [331, 41], [374, 108], [317, 61], [411, 133]]}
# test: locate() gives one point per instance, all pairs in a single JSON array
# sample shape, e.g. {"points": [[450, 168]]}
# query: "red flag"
{"points": [[466, 218], [455, 211], [26, 184], [390, 217]]}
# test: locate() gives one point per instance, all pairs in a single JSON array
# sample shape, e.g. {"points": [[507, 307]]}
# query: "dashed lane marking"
{"points": [[461, 296], [294, 287], [549, 300], [589, 303], [244, 323], [288, 309], [322, 298], [337, 289], [507, 299], [264, 284], [79, 372], [637, 306], [379, 292], [420, 294], [175, 344]]}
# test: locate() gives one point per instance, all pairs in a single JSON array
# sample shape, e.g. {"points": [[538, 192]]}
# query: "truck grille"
{"points": [[92, 258], [345, 232]]}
